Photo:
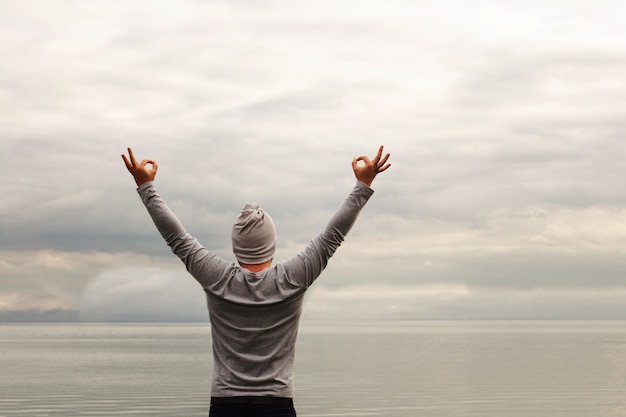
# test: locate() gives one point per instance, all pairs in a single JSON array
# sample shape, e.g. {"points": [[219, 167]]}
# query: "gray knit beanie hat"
{"points": [[254, 235]]}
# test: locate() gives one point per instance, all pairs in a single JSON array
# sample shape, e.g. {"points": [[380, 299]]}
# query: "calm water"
{"points": [[449, 369]]}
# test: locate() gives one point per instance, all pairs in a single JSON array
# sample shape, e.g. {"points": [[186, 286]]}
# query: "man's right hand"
{"points": [[140, 171]]}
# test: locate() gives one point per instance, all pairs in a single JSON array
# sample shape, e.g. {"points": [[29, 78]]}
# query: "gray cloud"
{"points": [[140, 294], [504, 121]]}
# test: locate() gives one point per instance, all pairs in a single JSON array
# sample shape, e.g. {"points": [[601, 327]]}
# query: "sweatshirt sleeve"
{"points": [[305, 267], [203, 265]]}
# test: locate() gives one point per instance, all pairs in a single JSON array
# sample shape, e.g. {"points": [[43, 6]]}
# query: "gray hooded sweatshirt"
{"points": [[254, 316]]}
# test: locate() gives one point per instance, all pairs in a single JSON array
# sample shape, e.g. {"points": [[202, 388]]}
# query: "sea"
{"points": [[395, 369]]}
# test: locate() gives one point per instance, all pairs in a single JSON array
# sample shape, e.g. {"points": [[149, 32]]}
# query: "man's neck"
{"points": [[256, 267]]}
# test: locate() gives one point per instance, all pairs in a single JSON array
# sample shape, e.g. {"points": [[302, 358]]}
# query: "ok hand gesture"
{"points": [[367, 172], [140, 171]]}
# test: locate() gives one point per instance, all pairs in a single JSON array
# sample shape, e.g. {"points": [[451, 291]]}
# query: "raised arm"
{"points": [[308, 264], [201, 263]]}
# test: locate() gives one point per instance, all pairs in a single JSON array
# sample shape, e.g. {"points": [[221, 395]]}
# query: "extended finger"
{"points": [[129, 167], [378, 154], [133, 161], [383, 168], [384, 160]]}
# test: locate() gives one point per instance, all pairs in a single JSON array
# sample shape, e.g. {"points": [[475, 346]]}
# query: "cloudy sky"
{"points": [[505, 121]]}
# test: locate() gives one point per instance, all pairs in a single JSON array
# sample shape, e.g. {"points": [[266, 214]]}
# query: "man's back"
{"points": [[254, 347]]}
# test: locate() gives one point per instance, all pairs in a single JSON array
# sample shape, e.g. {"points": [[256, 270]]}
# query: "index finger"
{"points": [[355, 161]]}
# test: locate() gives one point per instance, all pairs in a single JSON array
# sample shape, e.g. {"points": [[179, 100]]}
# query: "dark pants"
{"points": [[251, 407]]}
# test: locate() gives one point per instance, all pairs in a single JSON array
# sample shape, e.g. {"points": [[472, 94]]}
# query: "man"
{"points": [[254, 307]]}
